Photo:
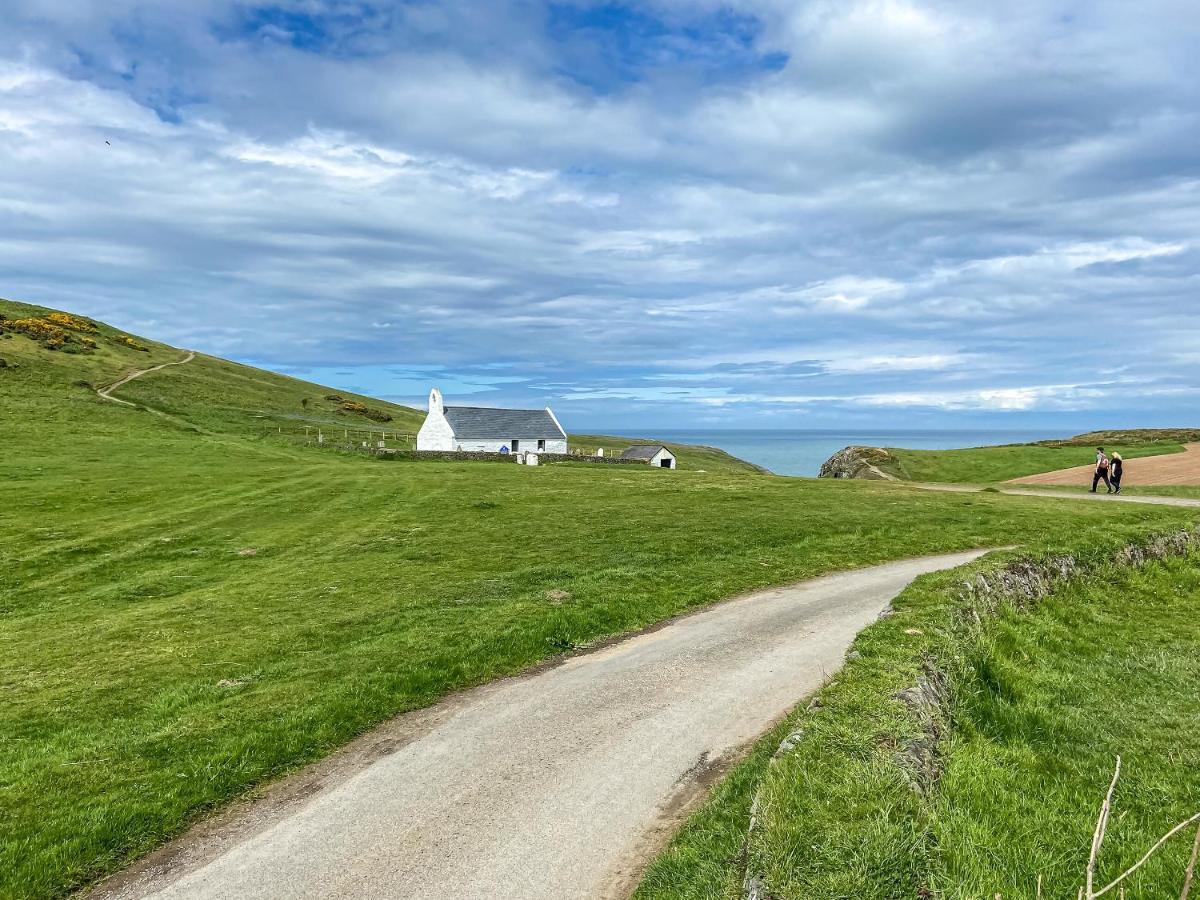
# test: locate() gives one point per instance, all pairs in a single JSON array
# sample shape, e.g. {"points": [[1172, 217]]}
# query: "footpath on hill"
{"points": [[563, 783], [1168, 469], [106, 392]]}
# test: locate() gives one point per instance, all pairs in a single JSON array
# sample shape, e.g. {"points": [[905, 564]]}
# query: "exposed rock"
{"points": [[872, 463], [1023, 583], [928, 701]]}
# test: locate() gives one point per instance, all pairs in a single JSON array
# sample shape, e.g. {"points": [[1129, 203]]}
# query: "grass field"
{"points": [[1085, 673], [1044, 701], [190, 604], [987, 465]]}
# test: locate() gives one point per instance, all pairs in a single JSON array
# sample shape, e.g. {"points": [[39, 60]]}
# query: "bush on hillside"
{"points": [[50, 335], [70, 322], [126, 341], [361, 409]]}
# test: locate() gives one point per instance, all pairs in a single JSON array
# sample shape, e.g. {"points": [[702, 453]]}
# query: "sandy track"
{"points": [[106, 392], [1172, 468], [559, 784]]}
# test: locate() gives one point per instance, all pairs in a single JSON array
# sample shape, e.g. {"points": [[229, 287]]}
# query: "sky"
{"points": [[673, 213]]}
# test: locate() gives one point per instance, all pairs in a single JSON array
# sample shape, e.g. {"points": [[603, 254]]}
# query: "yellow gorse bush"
{"points": [[74, 323], [126, 341], [50, 331]]}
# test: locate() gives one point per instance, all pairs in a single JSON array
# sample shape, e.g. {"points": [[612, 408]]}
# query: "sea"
{"points": [[802, 452]]}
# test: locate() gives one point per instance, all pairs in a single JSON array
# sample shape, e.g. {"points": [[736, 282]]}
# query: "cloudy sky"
{"points": [[758, 213]]}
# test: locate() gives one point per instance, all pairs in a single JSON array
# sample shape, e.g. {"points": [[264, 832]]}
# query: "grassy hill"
{"points": [[213, 395], [208, 394], [986, 465], [692, 457], [192, 603]]}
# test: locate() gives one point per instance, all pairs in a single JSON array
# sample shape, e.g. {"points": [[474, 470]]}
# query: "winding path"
{"points": [[106, 392], [558, 784]]}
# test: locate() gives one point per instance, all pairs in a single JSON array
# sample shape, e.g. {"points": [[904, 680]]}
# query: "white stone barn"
{"points": [[653, 454], [478, 428]]}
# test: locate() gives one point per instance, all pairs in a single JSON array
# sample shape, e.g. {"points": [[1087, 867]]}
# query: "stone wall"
{"points": [[545, 458], [444, 456]]}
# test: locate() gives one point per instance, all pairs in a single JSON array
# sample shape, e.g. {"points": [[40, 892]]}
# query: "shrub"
{"points": [[126, 341], [361, 409], [49, 334], [70, 322]]}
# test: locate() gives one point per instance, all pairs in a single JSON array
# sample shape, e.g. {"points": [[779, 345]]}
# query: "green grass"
{"points": [[986, 465], [692, 457], [1135, 490], [1045, 699], [152, 670]]}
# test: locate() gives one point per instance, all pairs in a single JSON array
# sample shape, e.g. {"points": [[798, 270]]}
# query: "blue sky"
{"points": [[760, 213]]}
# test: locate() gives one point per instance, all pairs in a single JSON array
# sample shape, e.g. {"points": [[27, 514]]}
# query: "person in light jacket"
{"points": [[1101, 473]]}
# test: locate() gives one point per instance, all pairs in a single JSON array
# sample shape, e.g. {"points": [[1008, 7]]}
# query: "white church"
{"points": [[478, 428]]}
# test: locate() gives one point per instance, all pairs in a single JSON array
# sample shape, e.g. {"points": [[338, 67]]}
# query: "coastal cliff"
{"points": [[872, 463]]}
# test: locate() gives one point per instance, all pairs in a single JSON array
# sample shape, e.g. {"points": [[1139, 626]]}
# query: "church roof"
{"points": [[484, 423]]}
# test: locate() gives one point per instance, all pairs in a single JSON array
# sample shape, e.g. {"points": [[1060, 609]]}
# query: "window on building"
{"points": [[541, 445], [516, 445]]}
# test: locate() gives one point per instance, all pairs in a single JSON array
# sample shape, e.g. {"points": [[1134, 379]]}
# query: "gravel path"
{"points": [[1099, 497], [558, 784]]}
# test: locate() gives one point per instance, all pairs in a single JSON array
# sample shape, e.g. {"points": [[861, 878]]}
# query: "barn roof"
{"points": [[642, 451], [484, 423]]}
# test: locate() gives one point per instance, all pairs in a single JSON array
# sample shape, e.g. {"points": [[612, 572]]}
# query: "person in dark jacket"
{"points": [[1101, 472], [1115, 470]]}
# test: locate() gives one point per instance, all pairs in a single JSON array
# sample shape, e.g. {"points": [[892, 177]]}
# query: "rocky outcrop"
{"points": [[873, 463]]}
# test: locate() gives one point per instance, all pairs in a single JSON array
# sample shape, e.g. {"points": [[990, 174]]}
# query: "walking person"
{"points": [[1115, 470], [1101, 473]]}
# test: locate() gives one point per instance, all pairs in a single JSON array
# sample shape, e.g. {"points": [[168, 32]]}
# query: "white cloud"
{"points": [[932, 205]]}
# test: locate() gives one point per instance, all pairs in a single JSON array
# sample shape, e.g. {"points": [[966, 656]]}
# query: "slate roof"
{"points": [[642, 451], [479, 423]]}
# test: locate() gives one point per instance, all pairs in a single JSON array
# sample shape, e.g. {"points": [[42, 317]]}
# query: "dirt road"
{"points": [[559, 784], [1172, 468], [106, 392]]}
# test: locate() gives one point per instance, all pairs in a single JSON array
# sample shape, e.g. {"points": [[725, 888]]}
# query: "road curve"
{"points": [[558, 784]]}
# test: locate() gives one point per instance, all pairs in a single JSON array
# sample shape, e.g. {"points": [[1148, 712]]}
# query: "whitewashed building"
{"points": [[480, 428], [653, 454]]}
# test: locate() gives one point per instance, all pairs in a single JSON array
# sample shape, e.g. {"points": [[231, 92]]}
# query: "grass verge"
{"points": [[1045, 698]]}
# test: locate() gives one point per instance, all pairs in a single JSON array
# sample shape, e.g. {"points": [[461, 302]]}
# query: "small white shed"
{"points": [[652, 454]]}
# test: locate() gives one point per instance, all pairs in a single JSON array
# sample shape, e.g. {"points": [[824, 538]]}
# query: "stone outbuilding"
{"points": [[481, 428], [653, 454]]}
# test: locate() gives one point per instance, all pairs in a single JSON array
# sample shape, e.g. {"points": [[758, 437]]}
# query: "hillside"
{"points": [[208, 393], [985, 465], [692, 457]]}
